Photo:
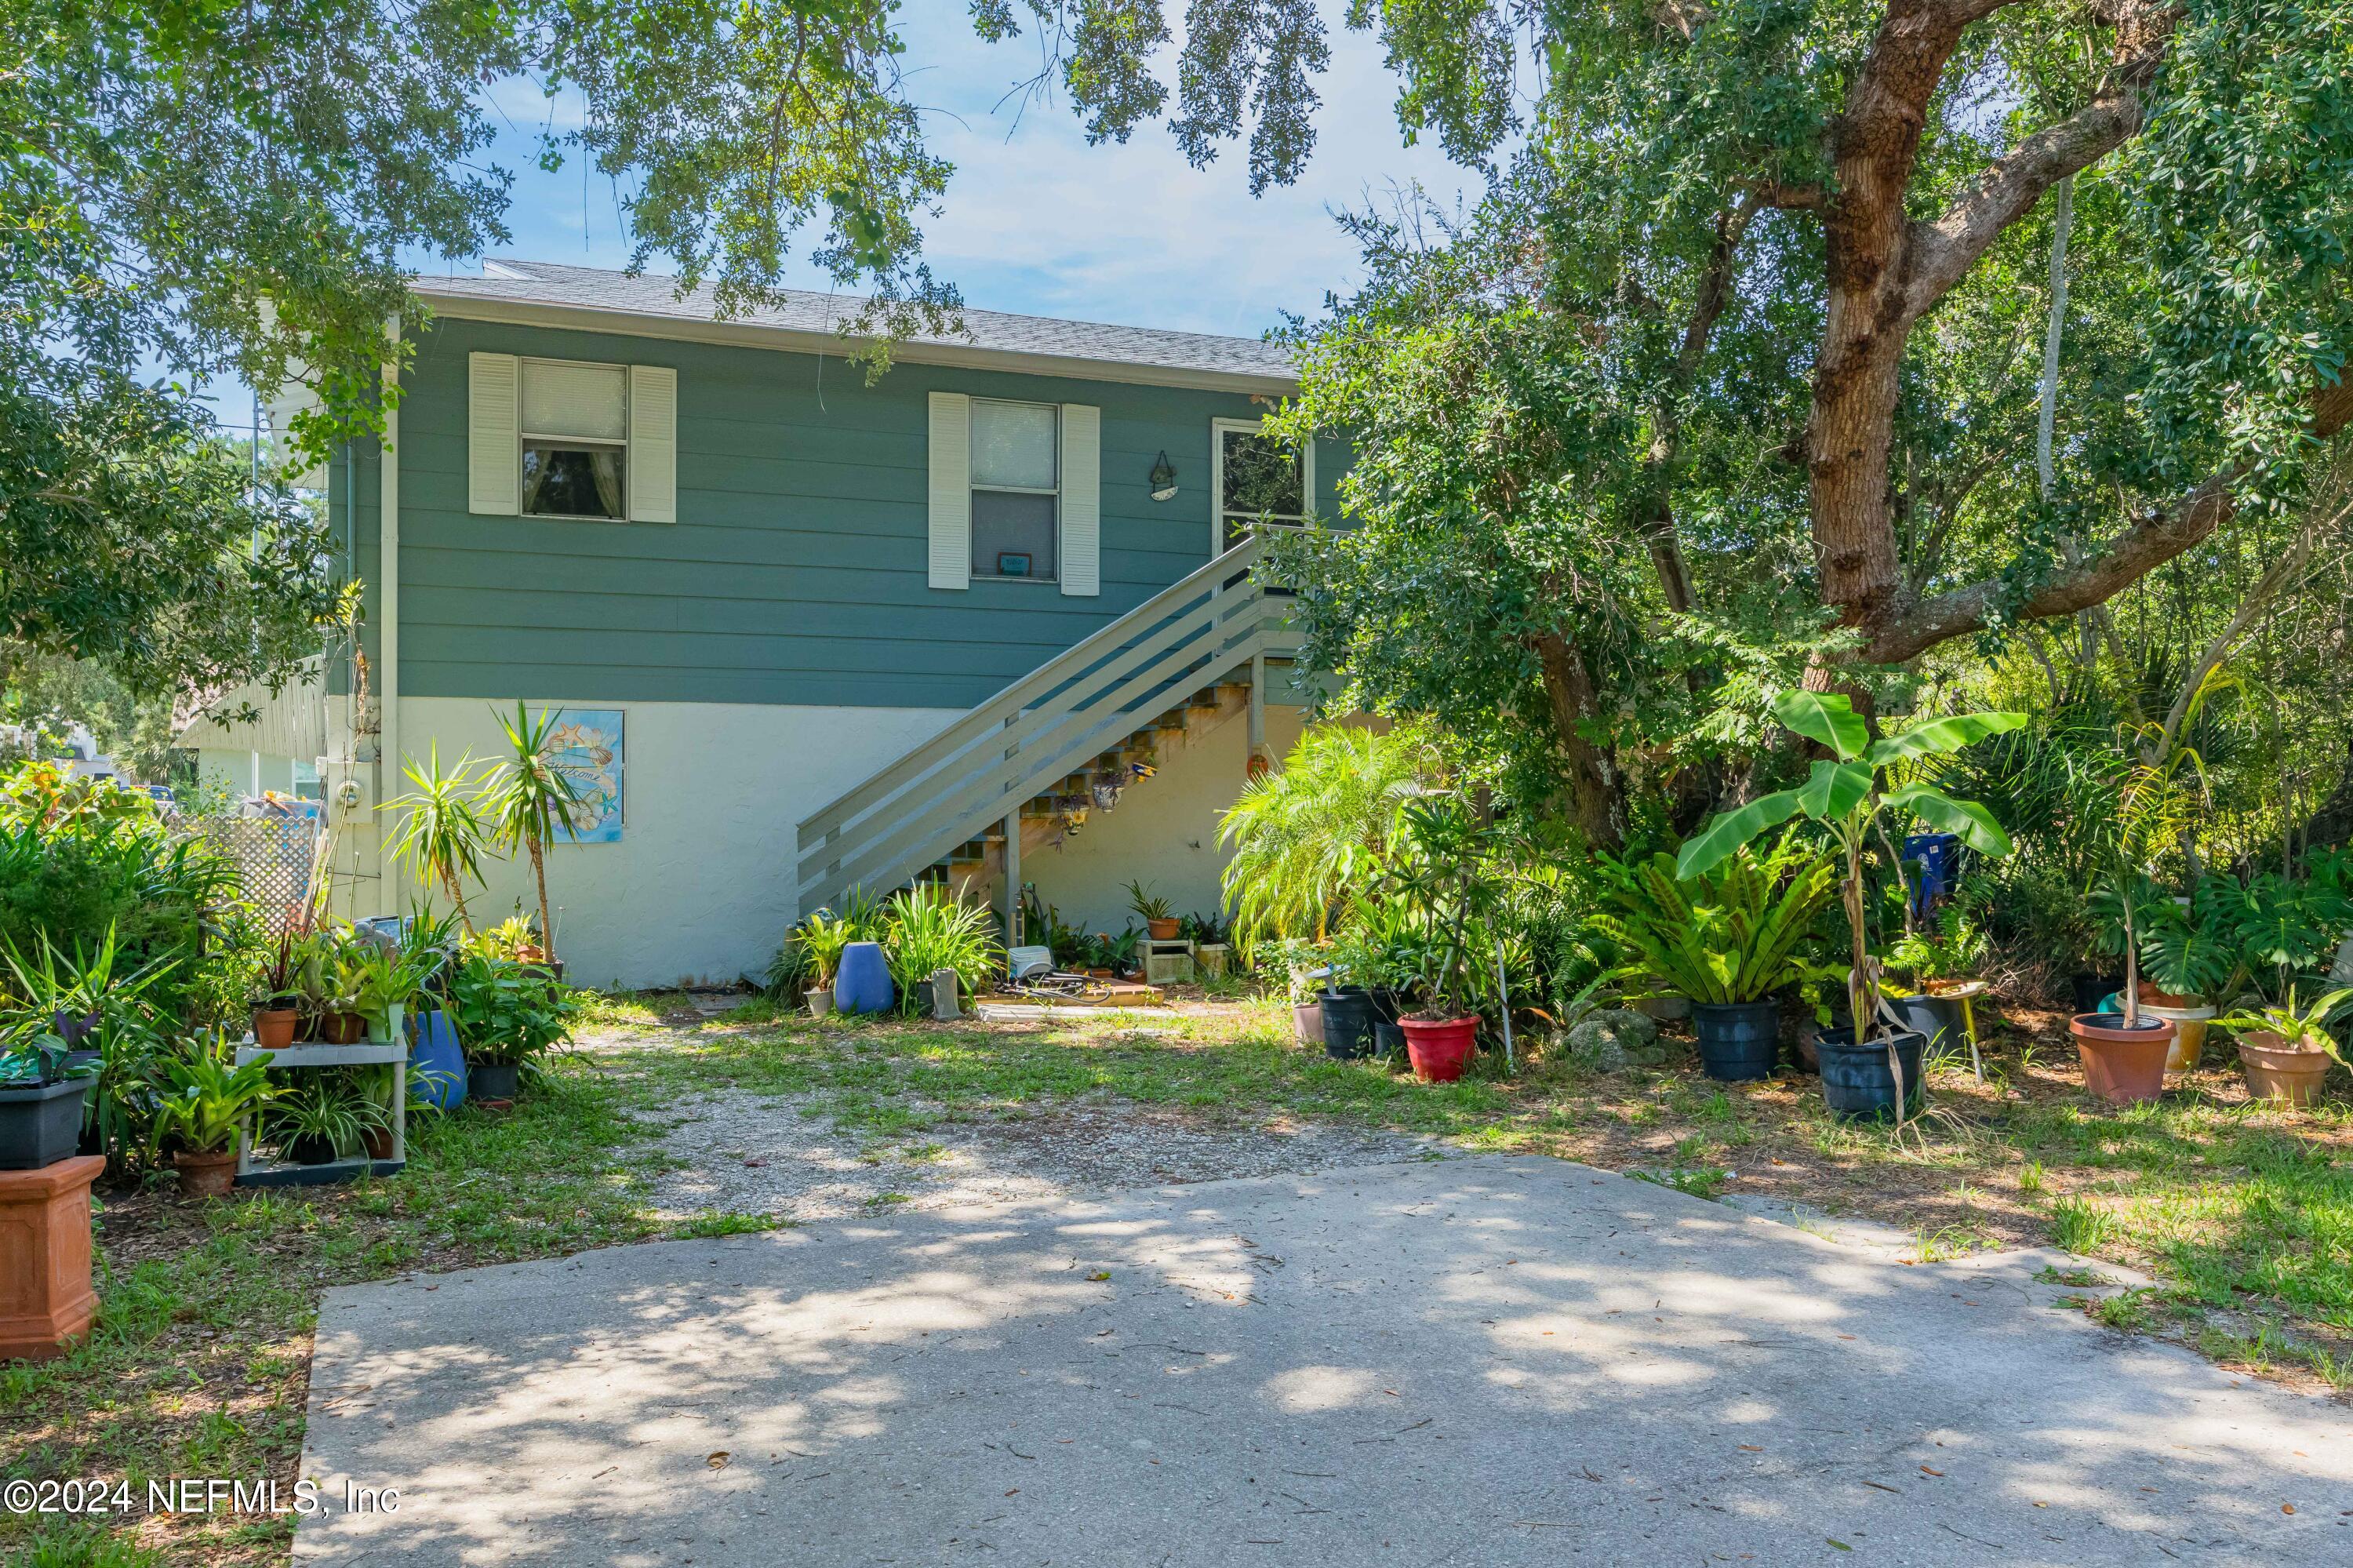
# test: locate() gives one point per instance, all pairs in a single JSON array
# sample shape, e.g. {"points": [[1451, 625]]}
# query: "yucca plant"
{"points": [[929, 929], [1735, 934], [527, 794], [442, 833]]}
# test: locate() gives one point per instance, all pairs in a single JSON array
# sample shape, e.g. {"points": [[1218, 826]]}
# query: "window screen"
{"points": [[1016, 500], [576, 430]]}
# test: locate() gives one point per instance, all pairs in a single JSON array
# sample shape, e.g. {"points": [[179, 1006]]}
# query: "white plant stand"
{"points": [[309, 1056]]}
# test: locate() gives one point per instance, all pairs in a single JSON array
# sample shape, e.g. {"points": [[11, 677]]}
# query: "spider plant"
{"points": [[931, 930]]}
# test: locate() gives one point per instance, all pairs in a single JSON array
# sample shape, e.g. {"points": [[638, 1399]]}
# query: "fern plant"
{"points": [[1736, 933]]}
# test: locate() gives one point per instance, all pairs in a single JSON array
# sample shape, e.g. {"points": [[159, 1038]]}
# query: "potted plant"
{"points": [[1729, 939], [1211, 947], [2186, 957], [822, 937], [1437, 877], [41, 1098], [527, 793], [277, 1001], [2124, 1054], [205, 1100], [508, 1015], [1933, 962], [1864, 1074], [2286, 1050], [322, 1119], [441, 833], [1160, 922]]}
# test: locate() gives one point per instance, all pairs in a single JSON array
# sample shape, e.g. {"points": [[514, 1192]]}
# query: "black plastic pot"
{"points": [[1738, 1041], [492, 1080], [1857, 1082], [1937, 1018], [2090, 991], [40, 1124], [309, 1149], [1347, 1024], [1388, 1038], [1387, 1005]]}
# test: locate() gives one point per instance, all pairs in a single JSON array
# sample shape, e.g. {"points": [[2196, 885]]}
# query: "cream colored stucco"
{"points": [[699, 889], [1164, 831]]}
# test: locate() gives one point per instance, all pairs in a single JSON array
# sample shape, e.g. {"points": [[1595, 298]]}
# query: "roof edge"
{"points": [[757, 334]]}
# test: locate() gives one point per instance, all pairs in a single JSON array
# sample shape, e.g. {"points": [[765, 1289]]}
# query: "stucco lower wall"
{"points": [[1164, 831], [699, 889]]}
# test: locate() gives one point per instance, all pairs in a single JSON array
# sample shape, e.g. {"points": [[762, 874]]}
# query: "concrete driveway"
{"points": [[1475, 1361]]}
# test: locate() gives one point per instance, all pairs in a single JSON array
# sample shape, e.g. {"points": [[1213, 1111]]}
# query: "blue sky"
{"points": [[1036, 221]]}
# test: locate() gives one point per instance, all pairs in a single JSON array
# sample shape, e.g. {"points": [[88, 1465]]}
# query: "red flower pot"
{"points": [[1438, 1048]]}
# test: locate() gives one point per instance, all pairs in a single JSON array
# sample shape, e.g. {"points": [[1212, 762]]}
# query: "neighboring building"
{"points": [[752, 582]]}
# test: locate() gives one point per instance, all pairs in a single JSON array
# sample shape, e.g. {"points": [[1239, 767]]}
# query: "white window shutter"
{"points": [[494, 446], [1082, 549], [653, 443], [951, 466]]}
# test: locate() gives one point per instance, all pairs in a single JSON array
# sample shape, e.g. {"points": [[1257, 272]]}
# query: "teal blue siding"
{"points": [[796, 572]]}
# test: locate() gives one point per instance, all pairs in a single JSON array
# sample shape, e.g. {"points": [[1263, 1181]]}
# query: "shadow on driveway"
{"points": [[1476, 1361]]}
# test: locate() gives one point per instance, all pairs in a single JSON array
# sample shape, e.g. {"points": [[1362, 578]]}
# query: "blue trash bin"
{"points": [[863, 983], [1930, 858]]}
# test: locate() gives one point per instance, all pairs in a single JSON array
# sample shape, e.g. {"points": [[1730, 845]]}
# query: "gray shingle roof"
{"points": [[988, 332]]}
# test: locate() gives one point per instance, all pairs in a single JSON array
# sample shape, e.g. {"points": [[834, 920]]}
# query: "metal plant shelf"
{"points": [[312, 1055]]}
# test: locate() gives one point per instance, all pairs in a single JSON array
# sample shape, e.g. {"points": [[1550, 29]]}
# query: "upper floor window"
{"points": [[1259, 481], [1016, 490], [576, 439], [556, 438]]}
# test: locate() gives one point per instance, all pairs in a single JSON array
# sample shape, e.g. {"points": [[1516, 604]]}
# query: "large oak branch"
{"points": [[1941, 252], [2131, 554]]}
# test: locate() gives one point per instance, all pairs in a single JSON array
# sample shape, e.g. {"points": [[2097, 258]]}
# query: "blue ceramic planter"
{"points": [[863, 983], [437, 1066]]}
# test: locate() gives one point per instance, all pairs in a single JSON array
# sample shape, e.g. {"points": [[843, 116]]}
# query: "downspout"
{"points": [[387, 599]]}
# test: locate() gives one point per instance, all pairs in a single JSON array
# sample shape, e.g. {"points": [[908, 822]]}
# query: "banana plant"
{"points": [[1851, 796]]}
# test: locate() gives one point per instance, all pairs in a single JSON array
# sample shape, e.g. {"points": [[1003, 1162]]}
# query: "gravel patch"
{"points": [[740, 1153]]}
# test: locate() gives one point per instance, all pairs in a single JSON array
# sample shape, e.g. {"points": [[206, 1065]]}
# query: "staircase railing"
{"points": [[980, 769]]}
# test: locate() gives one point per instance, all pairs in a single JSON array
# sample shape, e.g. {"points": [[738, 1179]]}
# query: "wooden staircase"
{"points": [[1050, 819], [1034, 763]]}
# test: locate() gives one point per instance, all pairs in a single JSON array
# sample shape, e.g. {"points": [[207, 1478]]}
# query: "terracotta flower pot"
{"points": [[1307, 1022], [205, 1173], [377, 1142], [2276, 1072], [1162, 930], [343, 1028], [274, 1028], [1439, 1048], [2123, 1066], [45, 1293]]}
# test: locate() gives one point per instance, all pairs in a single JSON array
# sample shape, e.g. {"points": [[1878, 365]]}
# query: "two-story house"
{"points": [[806, 631]]}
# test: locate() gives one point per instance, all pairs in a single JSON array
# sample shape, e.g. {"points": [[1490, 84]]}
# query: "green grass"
{"points": [[198, 1362]]}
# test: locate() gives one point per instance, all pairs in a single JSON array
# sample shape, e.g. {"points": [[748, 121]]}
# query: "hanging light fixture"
{"points": [[1164, 478]]}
